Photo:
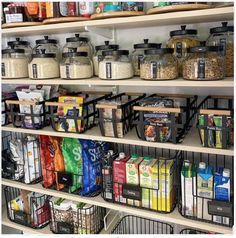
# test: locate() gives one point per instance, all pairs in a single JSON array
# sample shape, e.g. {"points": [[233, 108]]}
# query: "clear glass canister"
{"points": [[203, 63], [180, 40], [159, 64], [49, 45], [14, 63], [76, 65], [138, 54], [98, 54], [82, 44], [43, 66], [224, 36], [20, 44], [115, 65]]}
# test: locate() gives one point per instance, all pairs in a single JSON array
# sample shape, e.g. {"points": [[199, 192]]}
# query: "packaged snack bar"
{"points": [[9, 166], [47, 155], [72, 153], [218, 124]]}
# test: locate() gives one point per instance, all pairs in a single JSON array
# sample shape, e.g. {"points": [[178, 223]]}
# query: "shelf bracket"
{"points": [[105, 32]]}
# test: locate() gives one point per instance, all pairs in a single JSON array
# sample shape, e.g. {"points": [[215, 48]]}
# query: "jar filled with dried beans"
{"points": [[224, 36], [159, 64]]}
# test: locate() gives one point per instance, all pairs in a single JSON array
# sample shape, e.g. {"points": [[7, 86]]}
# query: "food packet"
{"points": [[218, 132], [47, 155], [9, 166], [72, 153], [16, 204], [92, 154]]}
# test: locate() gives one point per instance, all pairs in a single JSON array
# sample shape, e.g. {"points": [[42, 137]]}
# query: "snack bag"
{"points": [[64, 123], [47, 155], [92, 154], [72, 153]]}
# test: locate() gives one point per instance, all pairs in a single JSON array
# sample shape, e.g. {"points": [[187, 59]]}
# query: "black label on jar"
{"points": [[108, 71], [100, 58], [179, 49], [154, 69], [223, 46], [3, 70], [35, 71], [201, 69], [140, 57], [67, 71]]}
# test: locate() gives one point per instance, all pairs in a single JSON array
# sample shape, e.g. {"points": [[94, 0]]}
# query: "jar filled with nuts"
{"points": [[138, 54], [203, 63], [180, 40], [224, 36], [159, 64]]}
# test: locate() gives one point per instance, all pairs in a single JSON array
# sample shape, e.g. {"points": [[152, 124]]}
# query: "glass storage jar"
{"points": [[20, 44], [224, 36], [115, 65], [14, 63], [76, 65], [180, 40], [203, 63], [49, 45], [138, 54], [81, 43], [159, 64], [43, 66], [98, 54]]}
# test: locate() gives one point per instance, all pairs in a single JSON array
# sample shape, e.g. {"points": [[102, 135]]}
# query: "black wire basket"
{"points": [[27, 208], [192, 232], [116, 115], [138, 225], [21, 158], [6, 119], [215, 122], [166, 124], [76, 218], [73, 116], [206, 188]]}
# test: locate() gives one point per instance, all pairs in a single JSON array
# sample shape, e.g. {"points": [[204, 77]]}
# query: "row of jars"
{"points": [[183, 45]]}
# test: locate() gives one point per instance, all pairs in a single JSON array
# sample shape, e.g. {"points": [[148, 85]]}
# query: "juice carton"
{"points": [[132, 175], [146, 180], [188, 189], [119, 176], [167, 188], [204, 190]]}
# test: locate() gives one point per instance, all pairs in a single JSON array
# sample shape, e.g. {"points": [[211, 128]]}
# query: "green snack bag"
{"points": [[201, 123], [218, 124], [72, 153]]}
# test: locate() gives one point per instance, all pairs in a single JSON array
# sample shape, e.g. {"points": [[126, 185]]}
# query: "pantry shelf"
{"points": [[225, 83], [173, 217], [184, 17], [190, 143]]}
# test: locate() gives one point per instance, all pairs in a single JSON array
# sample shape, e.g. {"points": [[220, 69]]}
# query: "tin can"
{"points": [[86, 9]]}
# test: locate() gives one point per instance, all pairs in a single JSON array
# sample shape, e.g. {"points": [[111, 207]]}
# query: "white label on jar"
{"points": [[68, 71], [223, 45], [139, 60], [154, 69], [34, 69], [201, 69], [3, 70], [108, 71], [18, 17], [179, 49]]}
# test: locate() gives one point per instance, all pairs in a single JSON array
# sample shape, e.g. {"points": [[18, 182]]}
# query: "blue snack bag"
{"points": [[92, 154]]}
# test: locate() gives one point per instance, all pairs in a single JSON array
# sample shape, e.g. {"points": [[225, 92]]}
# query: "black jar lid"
{"points": [[183, 31], [12, 51], [18, 42], [159, 51], [147, 45], [221, 29], [41, 54], [115, 52], [107, 46], [77, 38], [74, 53], [203, 48], [46, 41]]}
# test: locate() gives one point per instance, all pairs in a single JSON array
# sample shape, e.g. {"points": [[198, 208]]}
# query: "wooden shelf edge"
{"points": [[173, 217]]}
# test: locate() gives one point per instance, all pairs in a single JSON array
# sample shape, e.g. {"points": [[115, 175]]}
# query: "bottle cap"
{"points": [[146, 158], [226, 173], [134, 156], [202, 165], [121, 155]]}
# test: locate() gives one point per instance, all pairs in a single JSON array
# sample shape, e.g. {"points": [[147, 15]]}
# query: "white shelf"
{"points": [[173, 217], [225, 83], [184, 17], [190, 143]]}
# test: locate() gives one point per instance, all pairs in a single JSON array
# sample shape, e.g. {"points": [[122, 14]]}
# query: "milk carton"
{"points": [[146, 175], [204, 190], [119, 176], [167, 188], [132, 175], [188, 189]]}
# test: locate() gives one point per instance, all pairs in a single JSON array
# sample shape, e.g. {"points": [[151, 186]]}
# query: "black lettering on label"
{"points": [[108, 71], [140, 57], [67, 71], [201, 69], [179, 49], [35, 71], [223, 46], [3, 70], [154, 69]]}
